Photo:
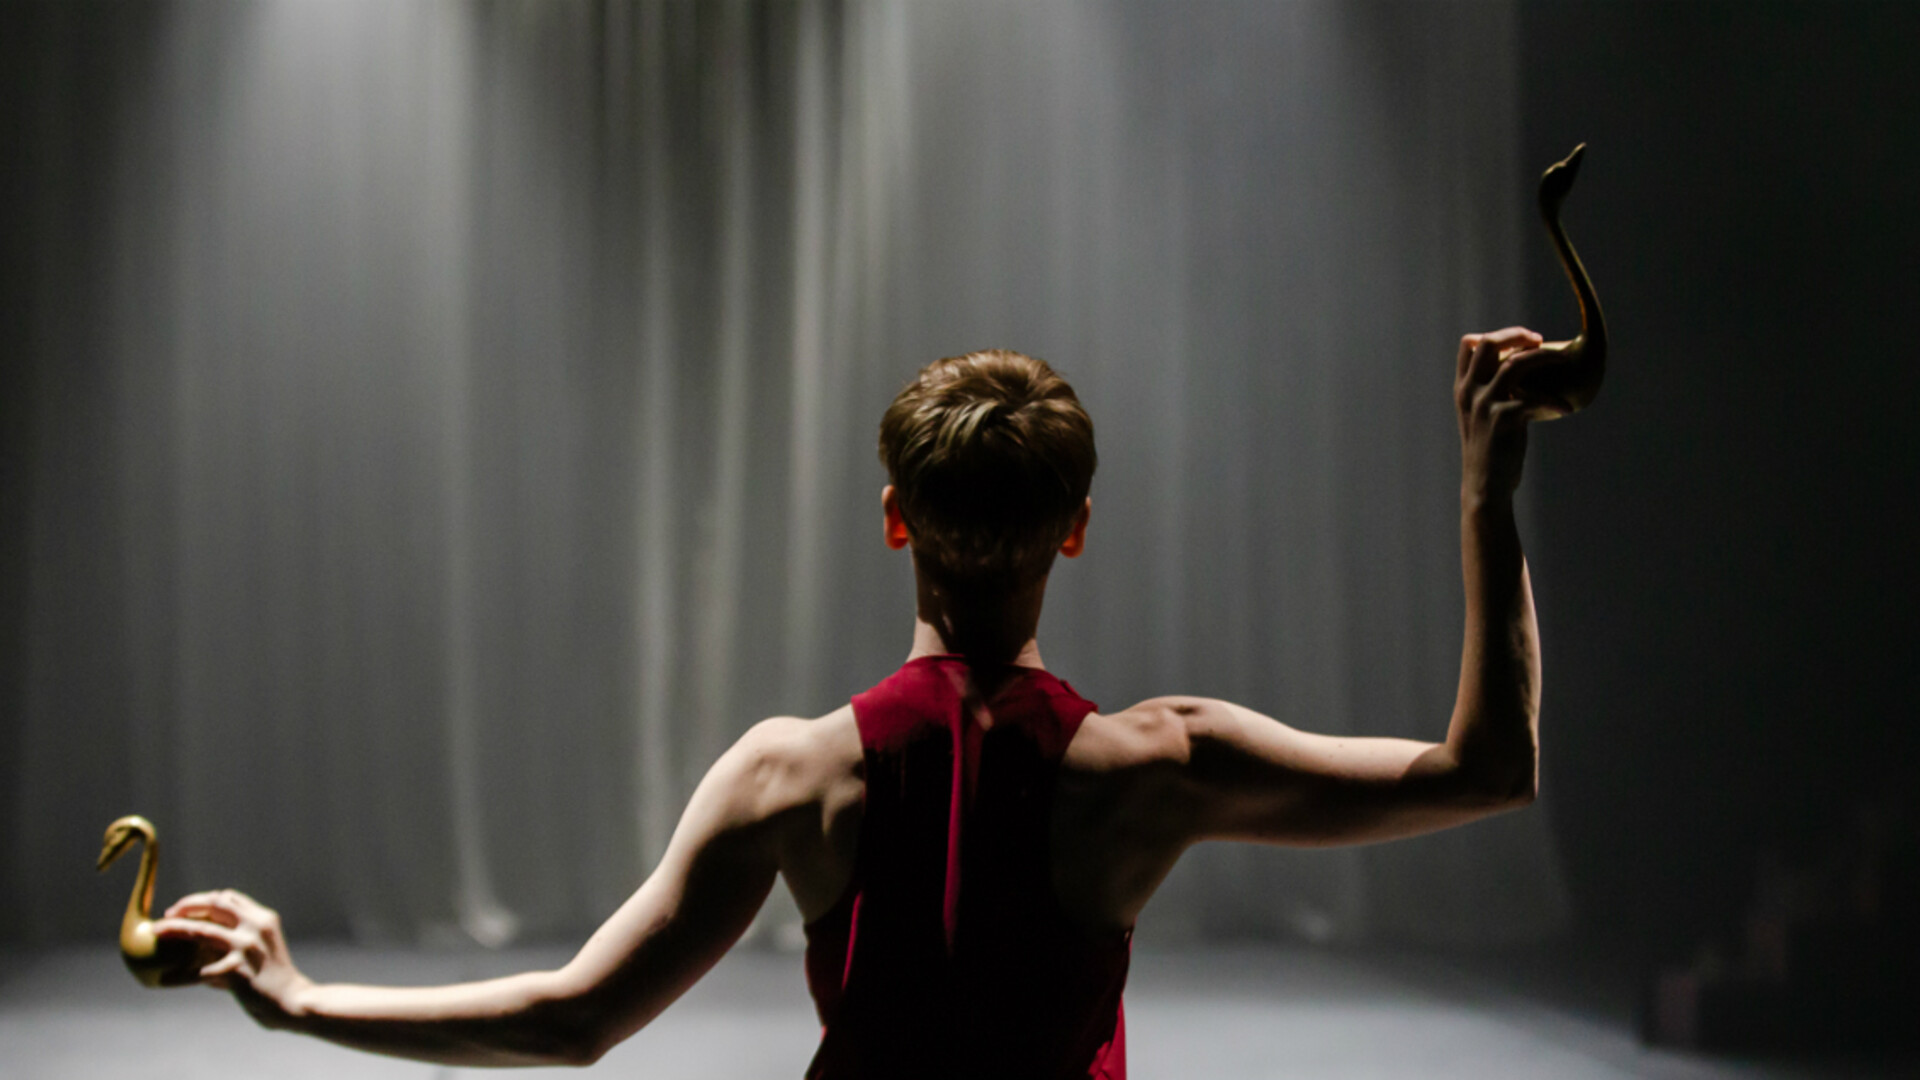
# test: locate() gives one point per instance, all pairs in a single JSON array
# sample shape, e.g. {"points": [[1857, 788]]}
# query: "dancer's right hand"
{"points": [[254, 961], [1493, 409]]}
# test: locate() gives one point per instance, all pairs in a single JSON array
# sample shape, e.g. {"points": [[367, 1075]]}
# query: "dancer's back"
{"points": [[948, 953]]}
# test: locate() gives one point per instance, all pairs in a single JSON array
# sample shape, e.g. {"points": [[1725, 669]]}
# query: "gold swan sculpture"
{"points": [[154, 960], [1565, 389]]}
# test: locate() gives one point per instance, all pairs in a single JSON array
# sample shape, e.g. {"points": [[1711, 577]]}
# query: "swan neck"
{"points": [[140, 904], [1593, 327]]}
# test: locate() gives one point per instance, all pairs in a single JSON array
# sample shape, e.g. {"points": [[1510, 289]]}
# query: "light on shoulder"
{"points": [[785, 761], [1156, 731]]}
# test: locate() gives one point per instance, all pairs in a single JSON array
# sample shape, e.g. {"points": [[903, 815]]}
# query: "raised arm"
{"points": [[1239, 775], [717, 870]]}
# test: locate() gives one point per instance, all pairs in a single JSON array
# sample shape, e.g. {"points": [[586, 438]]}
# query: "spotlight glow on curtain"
{"points": [[459, 426]]}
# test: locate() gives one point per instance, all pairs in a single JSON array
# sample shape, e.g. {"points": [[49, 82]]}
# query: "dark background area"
{"points": [[1724, 546], [46, 311]]}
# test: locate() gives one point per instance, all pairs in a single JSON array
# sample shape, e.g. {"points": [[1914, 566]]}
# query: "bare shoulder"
{"points": [[1157, 732], [1127, 807], [786, 762], [1132, 770], [1164, 762], [807, 783]]}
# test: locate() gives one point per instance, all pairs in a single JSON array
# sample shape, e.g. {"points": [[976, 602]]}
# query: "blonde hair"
{"points": [[991, 457]]}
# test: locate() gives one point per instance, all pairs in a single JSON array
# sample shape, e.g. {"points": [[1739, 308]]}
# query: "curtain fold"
{"points": [[450, 425]]}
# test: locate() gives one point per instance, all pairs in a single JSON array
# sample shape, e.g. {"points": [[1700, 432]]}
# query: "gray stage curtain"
{"points": [[439, 429]]}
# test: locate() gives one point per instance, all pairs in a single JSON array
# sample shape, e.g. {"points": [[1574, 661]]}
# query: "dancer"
{"points": [[969, 842]]}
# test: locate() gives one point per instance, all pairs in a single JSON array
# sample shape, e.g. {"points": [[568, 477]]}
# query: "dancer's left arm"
{"points": [[717, 870]]}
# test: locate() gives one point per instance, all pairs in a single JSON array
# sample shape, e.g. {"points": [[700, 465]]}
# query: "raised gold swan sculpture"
{"points": [[154, 960], [1563, 389]]}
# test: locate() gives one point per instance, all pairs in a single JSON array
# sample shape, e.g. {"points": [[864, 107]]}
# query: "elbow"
{"points": [[588, 1039], [574, 1044], [576, 1048], [549, 1044], [568, 1027], [1498, 773], [1516, 789], [583, 1053], [1524, 791], [1485, 801], [1496, 790], [592, 1040], [1524, 786]]}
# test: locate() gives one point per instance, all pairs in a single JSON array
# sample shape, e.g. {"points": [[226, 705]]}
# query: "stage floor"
{"points": [[1262, 1011]]}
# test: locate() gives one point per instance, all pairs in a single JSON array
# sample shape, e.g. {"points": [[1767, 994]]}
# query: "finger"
{"points": [[224, 906], [1515, 368], [200, 930], [1505, 413], [204, 913], [198, 900], [250, 909], [226, 965], [1510, 338], [211, 906], [1485, 360], [1467, 345]]}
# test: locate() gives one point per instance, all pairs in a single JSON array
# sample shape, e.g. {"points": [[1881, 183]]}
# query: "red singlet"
{"points": [[949, 955]]}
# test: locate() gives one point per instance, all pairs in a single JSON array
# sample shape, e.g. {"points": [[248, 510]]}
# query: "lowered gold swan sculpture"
{"points": [[154, 960], [1566, 388]]}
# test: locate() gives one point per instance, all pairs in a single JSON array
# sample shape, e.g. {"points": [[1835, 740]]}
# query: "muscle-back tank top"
{"points": [[949, 954]]}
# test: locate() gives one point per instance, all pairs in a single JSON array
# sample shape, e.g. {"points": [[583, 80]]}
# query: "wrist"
{"points": [[1489, 541], [295, 1001], [1482, 501]]}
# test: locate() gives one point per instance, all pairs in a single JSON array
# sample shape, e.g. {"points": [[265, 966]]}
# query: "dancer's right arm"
{"points": [[717, 870], [1218, 771]]}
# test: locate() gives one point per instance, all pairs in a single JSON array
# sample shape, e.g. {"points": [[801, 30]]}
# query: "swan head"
{"points": [[121, 835], [1558, 180]]}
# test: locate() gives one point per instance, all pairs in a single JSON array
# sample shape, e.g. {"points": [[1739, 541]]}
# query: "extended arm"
{"points": [[717, 870], [1245, 776]]}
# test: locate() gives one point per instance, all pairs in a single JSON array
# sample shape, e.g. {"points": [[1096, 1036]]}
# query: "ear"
{"points": [[1076, 541], [896, 526]]}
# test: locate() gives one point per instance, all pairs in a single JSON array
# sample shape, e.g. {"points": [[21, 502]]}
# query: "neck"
{"points": [[996, 629], [928, 641]]}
